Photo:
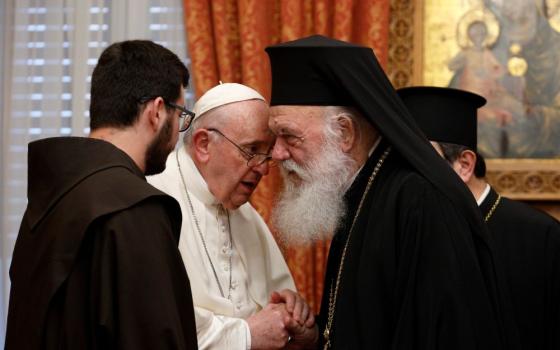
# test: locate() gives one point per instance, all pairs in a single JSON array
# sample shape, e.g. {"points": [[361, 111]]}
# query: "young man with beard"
{"points": [[96, 264], [527, 240], [410, 264], [231, 256]]}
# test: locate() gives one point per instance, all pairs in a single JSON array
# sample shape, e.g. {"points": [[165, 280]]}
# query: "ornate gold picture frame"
{"points": [[480, 46]]}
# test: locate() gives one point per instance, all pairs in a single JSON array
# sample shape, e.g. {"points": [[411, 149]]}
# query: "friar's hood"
{"points": [[56, 165]]}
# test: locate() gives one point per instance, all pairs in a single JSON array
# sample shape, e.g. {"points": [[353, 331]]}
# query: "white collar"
{"points": [[483, 195], [192, 178]]}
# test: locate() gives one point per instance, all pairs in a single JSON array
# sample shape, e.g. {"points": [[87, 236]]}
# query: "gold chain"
{"points": [[493, 209], [334, 293]]}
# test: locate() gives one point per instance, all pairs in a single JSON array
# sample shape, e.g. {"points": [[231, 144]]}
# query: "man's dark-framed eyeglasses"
{"points": [[186, 116], [253, 159]]}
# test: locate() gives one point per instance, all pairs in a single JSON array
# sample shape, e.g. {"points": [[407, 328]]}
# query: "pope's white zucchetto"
{"points": [[224, 94]]}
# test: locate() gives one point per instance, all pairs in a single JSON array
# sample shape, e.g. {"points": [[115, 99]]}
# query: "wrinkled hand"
{"points": [[301, 325], [302, 337], [268, 327], [295, 305]]}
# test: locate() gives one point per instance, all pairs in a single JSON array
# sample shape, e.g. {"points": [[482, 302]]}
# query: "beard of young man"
{"points": [[159, 149], [311, 209]]}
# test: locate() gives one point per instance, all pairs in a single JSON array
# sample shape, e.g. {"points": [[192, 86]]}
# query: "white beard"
{"points": [[312, 209]]}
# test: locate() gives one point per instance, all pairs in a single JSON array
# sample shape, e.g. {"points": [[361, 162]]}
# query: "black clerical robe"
{"points": [[411, 277], [420, 271], [528, 245], [96, 263]]}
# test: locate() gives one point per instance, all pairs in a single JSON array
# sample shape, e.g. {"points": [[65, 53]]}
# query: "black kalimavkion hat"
{"points": [[301, 73], [444, 114]]}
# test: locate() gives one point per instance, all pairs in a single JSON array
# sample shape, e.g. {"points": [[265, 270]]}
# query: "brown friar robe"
{"points": [[96, 263]]}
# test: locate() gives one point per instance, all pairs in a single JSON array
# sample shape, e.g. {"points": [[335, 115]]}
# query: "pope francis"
{"points": [[232, 260]]}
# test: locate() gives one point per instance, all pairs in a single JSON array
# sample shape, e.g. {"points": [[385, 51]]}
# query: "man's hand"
{"points": [[268, 327], [295, 305], [304, 333], [302, 337]]}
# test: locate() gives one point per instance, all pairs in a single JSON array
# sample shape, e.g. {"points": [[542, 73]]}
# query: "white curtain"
{"points": [[49, 50]]}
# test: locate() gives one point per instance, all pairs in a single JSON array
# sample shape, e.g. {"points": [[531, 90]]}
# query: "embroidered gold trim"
{"points": [[493, 209]]}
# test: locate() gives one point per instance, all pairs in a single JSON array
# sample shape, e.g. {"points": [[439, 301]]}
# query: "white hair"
{"points": [[313, 209]]}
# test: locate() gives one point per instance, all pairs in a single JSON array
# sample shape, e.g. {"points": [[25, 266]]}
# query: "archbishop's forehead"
{"points": [[297, 120], [297, 112]]}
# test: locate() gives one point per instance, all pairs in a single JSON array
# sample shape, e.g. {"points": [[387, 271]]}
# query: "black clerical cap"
{"points": [[444, 114], [301, 74]]}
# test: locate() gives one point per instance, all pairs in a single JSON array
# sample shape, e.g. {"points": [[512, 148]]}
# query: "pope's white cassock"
{"points": [[257, 265]]}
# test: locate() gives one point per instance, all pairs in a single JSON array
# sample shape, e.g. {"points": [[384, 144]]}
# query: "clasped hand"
{"points": [[286, 322]]}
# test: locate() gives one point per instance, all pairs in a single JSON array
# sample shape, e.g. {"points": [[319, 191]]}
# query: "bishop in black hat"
{"points": [[527, 241], [410, 264]]}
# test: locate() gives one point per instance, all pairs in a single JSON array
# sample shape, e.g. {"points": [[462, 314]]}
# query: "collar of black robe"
{"points": [[325, 72], [56, 165], [488, 202]]}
